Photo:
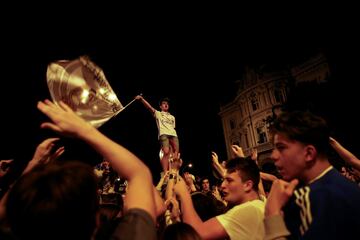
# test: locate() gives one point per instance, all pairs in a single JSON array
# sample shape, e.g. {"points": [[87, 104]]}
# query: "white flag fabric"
{"points": [[82, 85]]}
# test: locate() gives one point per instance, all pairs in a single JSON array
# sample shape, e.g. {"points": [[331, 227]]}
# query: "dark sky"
{"points": [[194, 64]]}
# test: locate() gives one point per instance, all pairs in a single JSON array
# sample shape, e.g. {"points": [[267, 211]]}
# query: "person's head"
{"points": [[164, 104], [180, 231], [205, 184], [300, 139], [346, 172], [56, 201], [204, 205], [241, 180]]}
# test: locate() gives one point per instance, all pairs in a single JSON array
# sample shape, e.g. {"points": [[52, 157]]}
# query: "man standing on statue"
{"points": [[165, 122]]}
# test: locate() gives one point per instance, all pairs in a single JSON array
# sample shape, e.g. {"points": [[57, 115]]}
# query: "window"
{"points": [[261, 135], [261, 132], [246, 140], [254, 101], [279, 97]]}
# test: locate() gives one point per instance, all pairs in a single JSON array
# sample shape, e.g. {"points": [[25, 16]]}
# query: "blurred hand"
{"points": [[5, 166], [214, 157], [279, 195], [64, 120], [254, 154], [43, 150], [138, 97], [237, 150]]}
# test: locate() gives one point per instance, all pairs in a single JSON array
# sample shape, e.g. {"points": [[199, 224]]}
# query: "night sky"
{"points": [[194, 64]]}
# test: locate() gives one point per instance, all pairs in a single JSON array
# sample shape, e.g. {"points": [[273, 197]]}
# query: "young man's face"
{"points": [[233, 188], [164, 106], [289, 157], [205, 185]]}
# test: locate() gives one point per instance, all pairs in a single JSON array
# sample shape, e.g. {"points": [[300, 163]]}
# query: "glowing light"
{"points": [[102, 90], [112, 97], [84, 96]]}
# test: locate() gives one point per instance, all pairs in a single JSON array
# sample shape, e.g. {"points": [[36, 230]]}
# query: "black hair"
{"points": [[164, 99], [180, 230], [55, 201]]}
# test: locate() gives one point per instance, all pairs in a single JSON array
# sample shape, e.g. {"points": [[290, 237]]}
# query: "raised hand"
{"points": [[254, 154], [138, 97], [5, 166], [280, 193], [64, 120], [43, 154], [43, 150], [214, 157], [237, 150]]}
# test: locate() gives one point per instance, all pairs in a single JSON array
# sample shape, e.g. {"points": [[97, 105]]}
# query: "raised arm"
{"points": [[280, 193], [345, 154], [217, 166], [146, 103], [66, 122], [43, 154], [237, 150], [211, 229]]}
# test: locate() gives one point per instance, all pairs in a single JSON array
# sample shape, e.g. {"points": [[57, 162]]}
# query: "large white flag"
{"points": [[83, 86]]}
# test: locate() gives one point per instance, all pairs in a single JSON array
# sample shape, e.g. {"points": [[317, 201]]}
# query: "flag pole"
{"points": [[127, 105]]}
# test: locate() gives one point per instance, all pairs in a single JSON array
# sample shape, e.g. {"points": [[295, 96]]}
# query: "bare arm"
{"points": [[43, 154], [146, 103], [65, 121], [211, 229], [218, 167], [345, 154], [159, 203], [279, 195]]}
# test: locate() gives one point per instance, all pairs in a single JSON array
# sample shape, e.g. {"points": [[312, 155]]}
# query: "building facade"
{"points": [[261, 93]]}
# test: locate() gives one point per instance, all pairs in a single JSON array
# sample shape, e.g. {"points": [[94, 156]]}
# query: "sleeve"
{"points": [[275, 228], [136, 224], [243, 222]]}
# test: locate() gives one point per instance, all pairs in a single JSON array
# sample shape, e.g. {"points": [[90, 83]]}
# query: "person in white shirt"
{"points": [[166, 130], [240, 187]]}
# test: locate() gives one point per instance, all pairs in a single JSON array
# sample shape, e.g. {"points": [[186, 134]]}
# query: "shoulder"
{"points": [[247, 210], [136, 219]]}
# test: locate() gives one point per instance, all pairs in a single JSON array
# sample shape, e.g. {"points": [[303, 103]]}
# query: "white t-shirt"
{"points": [[165, 123], [244, 221]]}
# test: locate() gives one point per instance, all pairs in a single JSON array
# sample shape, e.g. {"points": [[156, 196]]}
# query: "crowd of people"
{"points": [[55, 198]]}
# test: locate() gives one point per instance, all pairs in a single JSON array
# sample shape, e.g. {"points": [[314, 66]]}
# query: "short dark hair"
{"points": [[304, 127], [180, 230], [164, 99], [247, 167], [56, 201]]}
